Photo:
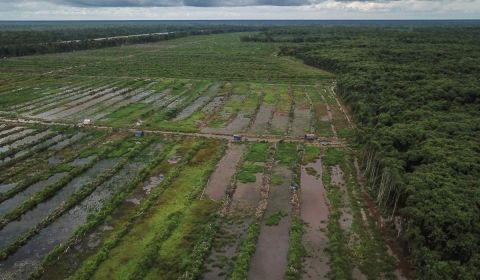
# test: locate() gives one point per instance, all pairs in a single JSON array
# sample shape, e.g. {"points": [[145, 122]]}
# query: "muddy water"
{"points": [[124, 100], [279, 123], [260, 125], [213, 105], [10, 130], [28, 140], [346, 217], [301, 122], [198, 103], [314, 211], [226, 167], [16, 228], [15, 136], [53, 140], [270, 258], [88, 245], [247, 195], [91, 94], [81, 161], [156, 96], [85, 105], [237, 125], [102, 106], [233, 228], [6, 187], [36, 248], [11, 203], [62, 144]]}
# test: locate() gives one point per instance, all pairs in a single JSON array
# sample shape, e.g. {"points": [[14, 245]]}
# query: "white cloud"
{"points": [[321, 9]]}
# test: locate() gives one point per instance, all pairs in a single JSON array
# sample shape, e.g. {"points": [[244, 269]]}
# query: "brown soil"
{"points": [[220, 179], [270, 258], [279, 123], [301, 122], [260, 125], [314, 211]]}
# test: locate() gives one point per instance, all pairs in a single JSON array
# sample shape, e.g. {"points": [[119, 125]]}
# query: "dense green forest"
{"points": [[61, 38], [415, 94]]}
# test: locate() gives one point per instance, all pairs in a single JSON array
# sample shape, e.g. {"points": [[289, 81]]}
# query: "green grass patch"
{"points": [[275, 218], [248, 171], [286, 153], [258, 152], [311, 154], [245, 253], [296, 250]]}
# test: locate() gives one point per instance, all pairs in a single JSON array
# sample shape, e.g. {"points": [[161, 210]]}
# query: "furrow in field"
{"points": [[270, 258], [226, 167], [26, 141], [314, 212], [9, 131], [127, 207], [40, 100], [62, 227], [48, 100], [161, 220], [58, 101], [90, 95], [198, 103], [29, 219], [102, 96]]}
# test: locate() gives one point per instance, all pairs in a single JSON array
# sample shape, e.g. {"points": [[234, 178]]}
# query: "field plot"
{"points": [[152, 189]]}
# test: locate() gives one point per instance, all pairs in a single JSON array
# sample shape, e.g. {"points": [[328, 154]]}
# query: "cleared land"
{"points": [[179, 202]]}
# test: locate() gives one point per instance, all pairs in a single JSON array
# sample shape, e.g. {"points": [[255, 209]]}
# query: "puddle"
{"points": [[152, 183], [175, 159]]}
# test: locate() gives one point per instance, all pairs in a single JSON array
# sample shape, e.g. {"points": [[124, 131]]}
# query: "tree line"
{"points": [[415, 94]]}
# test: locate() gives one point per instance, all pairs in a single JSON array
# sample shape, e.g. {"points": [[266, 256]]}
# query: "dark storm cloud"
{"points": [[196, 3]]}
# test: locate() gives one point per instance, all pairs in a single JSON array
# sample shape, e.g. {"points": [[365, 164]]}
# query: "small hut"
{"points": [[237, 138], [310, 137]]}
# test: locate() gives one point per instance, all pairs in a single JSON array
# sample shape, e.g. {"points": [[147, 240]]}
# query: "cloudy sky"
{"points": [[237, 9]]}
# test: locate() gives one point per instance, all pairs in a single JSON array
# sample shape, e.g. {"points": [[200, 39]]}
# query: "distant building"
{"points": [[237, 138], [138, 133], [310, 137], [323, 142], [87, 122]]}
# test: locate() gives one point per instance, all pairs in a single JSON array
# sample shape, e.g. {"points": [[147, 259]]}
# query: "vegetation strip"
{"points": [[96, 219], [90, 266], [32, 180]]}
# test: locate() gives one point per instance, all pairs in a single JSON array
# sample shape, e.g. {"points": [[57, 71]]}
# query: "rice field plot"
{"points": [[238, 109], [302, 115], [282, 115], [60, 229], [166, 221], [243, 196], [322, 118]]}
